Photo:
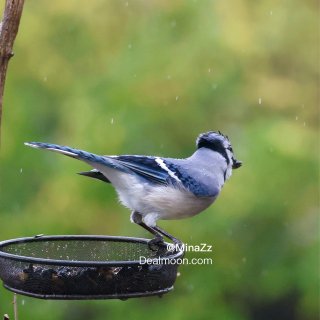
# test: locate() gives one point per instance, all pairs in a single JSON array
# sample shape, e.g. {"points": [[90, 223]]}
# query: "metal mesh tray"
{"points": [[87, 267]]}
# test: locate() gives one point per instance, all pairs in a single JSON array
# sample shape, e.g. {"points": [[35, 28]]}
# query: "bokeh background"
{"points": [[146, 77]]}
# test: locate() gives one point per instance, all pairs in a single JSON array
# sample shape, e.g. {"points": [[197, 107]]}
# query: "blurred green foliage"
{"points": [[146, 77]]}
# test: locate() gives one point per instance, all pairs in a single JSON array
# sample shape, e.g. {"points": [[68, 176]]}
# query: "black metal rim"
{"points": [[35, 260], [123, 296]]}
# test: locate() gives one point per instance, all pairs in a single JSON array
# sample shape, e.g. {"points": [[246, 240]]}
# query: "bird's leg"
{"points": [[136, 217], [168, 235]]}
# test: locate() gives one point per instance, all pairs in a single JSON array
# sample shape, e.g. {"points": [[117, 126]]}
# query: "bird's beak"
{"points": [[236, 164]]}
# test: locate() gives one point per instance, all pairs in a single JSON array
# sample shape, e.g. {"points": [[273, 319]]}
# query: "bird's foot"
{"points": [[156, 243]]}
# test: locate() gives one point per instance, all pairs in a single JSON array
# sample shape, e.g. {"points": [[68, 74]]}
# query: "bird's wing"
{"points": [[145, 166]]}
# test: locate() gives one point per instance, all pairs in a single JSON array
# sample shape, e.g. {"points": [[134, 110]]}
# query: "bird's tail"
{"points": [[74, 153]]}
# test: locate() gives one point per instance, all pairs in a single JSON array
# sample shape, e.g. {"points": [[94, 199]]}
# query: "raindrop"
{"points": [[127, 4], [129, 46], [20, 170], [260, 100], [244, 259], [271, 13], [112, 120], [177, 97], [304, 123], [209, 70], [297, 118], [23, 302]]}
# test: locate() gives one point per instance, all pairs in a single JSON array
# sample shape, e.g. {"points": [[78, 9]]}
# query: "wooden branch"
{"points": [[8, 31], [15, 306]]}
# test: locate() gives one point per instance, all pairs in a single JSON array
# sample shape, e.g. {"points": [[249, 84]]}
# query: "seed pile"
{"points": [[93, 280]]}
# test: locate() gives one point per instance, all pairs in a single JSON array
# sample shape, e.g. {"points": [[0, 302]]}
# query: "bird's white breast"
{"points": [[174, 203]]}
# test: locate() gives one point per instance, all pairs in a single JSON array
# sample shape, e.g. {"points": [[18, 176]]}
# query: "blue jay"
{"points": [[156, 188]]}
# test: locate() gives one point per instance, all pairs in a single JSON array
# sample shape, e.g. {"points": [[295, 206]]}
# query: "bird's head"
{"points": [[220, 143]]}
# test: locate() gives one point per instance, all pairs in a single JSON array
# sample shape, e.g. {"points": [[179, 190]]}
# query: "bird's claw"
{"points": [[156, 243]]}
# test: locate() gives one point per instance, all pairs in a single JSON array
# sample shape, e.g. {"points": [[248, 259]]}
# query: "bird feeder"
{"points": [[88, 267]]}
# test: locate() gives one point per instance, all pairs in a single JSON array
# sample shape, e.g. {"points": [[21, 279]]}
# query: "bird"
{"points": [[158, 188]]}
